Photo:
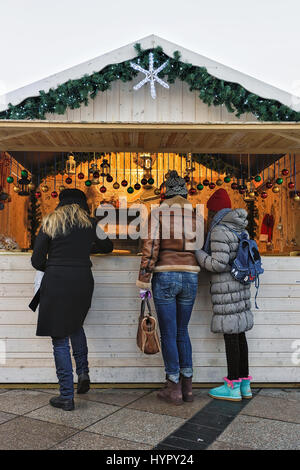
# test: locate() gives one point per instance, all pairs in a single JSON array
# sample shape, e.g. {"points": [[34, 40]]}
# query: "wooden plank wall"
{"points": [[112, 321], [122, 104]]}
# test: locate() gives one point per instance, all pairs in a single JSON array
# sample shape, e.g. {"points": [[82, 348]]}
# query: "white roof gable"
{"points": [[128, 52]]}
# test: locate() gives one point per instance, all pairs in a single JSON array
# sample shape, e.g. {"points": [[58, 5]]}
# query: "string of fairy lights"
{"points": [[136, 171]]}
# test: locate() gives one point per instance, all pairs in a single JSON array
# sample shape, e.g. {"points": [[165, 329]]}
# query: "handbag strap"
{"points": [[143, 306]]}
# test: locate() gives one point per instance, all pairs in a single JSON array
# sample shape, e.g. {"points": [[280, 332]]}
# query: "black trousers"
{"points": [[236, 348]]}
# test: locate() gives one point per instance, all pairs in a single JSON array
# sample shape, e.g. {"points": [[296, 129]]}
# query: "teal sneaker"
{"points": [[231, 390], [245, 387]]}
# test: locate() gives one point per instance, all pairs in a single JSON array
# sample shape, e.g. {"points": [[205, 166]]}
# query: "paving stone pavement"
{"points": [[134, 419]]}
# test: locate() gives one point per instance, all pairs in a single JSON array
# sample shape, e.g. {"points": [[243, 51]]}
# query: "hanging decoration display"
{"points": [[116, 184], [211, 90], [130, 188], [151, 75], [71, 165], [124, 182]]}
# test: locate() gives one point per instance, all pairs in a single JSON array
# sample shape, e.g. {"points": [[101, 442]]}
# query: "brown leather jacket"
{"points": [[169, 246]]}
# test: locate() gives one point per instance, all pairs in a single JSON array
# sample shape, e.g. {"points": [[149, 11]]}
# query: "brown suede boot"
{"points": [[187, 392], [171, 393]]}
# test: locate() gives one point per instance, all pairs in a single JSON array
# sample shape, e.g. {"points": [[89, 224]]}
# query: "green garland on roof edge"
{"points": [[212, 90]]}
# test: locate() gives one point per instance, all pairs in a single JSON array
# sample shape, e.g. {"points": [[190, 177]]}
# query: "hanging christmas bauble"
{"points": [[211, 185], [130, 189], [264, 194], [200, 186], [285, 172], [150, 181], [187, 178], [124, 183], [116, 185], [44, 188], [68, 180], [17, 189], [252, 194], [102, 189], [257, 178], [219, 182], [192, 191], [61, 188], [291, 185], [109, 178], [144, 181], [275, 189], [54, 194], [205, 182], [279, 180], [234, 186], [24, 173], [31, 186], [96, 174], [80, 176], [88, 183], [227, 179], [137, 186], [10, 179], [38, 194], [269, 184], [1, 206], [242, 190], [296, 197]]}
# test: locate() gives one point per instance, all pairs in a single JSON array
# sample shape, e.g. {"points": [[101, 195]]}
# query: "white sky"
{"points": [[42, 37]]}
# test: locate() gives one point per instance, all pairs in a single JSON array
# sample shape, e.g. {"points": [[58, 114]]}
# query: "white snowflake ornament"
{"points": [[151, 75]]}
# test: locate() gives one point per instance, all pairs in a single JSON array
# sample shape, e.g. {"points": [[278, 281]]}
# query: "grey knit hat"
{"points": [[175, 185]]}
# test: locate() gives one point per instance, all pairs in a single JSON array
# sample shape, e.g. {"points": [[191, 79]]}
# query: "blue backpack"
{"points": [[247, 266]]}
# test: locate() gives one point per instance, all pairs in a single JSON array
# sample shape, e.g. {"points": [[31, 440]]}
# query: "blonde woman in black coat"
{"points": [[62, 250]]}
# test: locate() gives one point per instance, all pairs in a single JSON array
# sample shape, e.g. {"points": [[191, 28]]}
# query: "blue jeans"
{"points": [[63, 363], [174, 294]]}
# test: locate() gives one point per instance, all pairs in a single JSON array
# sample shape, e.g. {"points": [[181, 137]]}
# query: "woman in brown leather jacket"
{"points": [[168, 254]]}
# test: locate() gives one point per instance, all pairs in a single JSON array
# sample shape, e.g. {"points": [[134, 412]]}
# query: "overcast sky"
{"points": [[42, 37]]}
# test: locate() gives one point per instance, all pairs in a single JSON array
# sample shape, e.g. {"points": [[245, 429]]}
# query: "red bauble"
{"points": [[124, 183], [96, 174], [212, 185], [187, 179], [102, 189], [269, 184], [285, 172], [109, 178], [137, 186], [291, 185], [54, 194], [242, 191], [264, 195], [68, 180], [192, 191], [80, 176], [205, 182], [144, 181], [234, 186], [38, 194]]}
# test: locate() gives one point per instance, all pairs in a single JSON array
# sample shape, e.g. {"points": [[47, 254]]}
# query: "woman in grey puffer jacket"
{"points": [[232, 314]]}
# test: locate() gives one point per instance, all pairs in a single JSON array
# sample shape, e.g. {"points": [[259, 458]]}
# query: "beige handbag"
{"points": [[147, 337]]}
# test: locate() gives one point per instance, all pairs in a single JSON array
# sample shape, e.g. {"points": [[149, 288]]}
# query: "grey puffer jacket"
{"points": [[230, 299]]}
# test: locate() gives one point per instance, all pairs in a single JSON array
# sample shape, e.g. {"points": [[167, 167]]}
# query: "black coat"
{"points": [[67, 286]]}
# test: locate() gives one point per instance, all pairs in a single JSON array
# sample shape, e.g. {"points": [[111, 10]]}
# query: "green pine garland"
{"points": [[212, 90]]}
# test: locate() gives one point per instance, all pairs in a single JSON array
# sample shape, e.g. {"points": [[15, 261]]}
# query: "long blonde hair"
{"points": [[60, 221]]}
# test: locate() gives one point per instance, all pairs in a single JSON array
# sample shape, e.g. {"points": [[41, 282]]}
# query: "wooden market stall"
{"points": [[125, 134]]}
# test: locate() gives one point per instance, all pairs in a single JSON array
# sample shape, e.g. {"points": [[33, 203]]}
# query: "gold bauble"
{"points": [[17, 189], [252, 194], [61, 188], [31, 186], [296, 197], [275, 189], [157, 191], [44, 188], [219, 182]]}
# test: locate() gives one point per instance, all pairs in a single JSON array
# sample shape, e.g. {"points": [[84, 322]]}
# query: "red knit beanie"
{"points": [[219, 200]]}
